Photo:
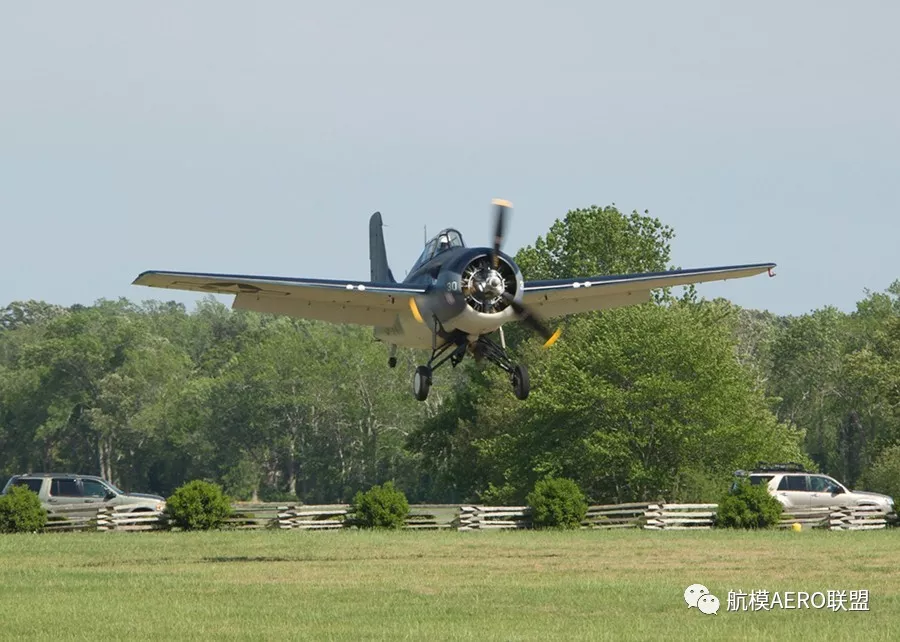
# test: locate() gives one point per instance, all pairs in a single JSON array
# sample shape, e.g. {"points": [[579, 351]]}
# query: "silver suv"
{"points": [[794, 487], [61, 491]]}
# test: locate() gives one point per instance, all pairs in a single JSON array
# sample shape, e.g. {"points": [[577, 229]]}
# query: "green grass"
{"points": [[437, 585]]}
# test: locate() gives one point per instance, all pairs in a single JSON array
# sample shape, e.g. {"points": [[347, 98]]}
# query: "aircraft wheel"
{"points": [[422, 382], [520, 382], [392, 362]]}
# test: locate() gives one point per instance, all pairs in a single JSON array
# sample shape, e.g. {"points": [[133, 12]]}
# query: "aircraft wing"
{"points": [[357, 302], [569, 296]]}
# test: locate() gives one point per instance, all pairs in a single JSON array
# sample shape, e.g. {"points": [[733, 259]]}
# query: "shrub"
{"points": [[380, 507], [748, 506], [21, 511], [198, 505], [557, 503]]}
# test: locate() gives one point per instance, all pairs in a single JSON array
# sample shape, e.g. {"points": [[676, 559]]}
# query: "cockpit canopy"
{"points": [[443, 241]]}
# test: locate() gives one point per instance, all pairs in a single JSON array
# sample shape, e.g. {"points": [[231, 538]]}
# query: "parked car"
{"points": [[58, 491], [794, 487]]}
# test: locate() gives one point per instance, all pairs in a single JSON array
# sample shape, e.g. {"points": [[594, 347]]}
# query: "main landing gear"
{"points": [[483, 348]]}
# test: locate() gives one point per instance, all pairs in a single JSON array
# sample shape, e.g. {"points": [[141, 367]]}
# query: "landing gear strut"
{"points": [[422, 377], [457, 344], [518, 373]]}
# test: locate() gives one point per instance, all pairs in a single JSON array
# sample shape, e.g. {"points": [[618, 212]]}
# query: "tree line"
{"points": [[658, 401]]}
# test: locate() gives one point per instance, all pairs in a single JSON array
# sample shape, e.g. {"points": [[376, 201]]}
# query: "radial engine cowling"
{"points": [[479, 295], [484, 286]]}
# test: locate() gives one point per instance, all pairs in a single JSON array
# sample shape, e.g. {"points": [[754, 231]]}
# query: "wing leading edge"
{"points": [[569, 296], [357, 302]]}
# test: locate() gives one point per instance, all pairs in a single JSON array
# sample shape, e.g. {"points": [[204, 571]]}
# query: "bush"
{"points": [[557, 503], [748, 506], [198, 505], [21, 511], [380, 507]]}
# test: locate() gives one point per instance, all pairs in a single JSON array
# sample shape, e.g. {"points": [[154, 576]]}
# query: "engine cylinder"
{"points": [[487, 288]]}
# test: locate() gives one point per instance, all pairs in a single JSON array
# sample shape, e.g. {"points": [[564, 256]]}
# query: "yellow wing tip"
{"points": [[553, 338], [501, 201], [415, 310]]}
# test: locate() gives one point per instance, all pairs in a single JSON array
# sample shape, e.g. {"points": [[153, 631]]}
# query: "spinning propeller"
{"points": [[525, 314]]}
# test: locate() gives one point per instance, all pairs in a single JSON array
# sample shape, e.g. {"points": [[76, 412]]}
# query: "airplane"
{"points": [[452, 299]]}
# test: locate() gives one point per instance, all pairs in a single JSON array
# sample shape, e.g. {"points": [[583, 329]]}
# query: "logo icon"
{"points": [[693, 593], [708, 604], [699, 596]]}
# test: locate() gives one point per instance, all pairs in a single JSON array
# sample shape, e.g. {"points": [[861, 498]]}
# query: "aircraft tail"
{"points": [[381, 273]]}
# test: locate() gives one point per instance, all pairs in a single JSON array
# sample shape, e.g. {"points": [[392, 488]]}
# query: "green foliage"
{"points": [[21, 511], [264, 405], [380, 507], [748, 506], [884, 474], [699, 486], [661, 402], [557, 503], [598, 240], [198, 505], [658, 401]]}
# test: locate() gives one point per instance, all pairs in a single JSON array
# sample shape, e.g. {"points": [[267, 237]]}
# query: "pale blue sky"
{"points": [[259, 137]]}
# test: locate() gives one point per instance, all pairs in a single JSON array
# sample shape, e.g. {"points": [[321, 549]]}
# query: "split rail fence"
{"points": [[647, 516]]}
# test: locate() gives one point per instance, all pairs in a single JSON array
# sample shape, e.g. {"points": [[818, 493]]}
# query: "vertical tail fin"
{"points": [[381, 273]]}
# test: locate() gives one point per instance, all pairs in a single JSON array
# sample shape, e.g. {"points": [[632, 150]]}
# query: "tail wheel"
{"points": [[422, 382], [520, 382]]}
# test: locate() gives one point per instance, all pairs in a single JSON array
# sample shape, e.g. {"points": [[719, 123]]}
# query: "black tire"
{"points": [[422, 382], [392, 362], [521, 383]]}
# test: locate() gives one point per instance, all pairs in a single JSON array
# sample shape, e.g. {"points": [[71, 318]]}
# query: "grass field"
{"points": [[437, 585]]}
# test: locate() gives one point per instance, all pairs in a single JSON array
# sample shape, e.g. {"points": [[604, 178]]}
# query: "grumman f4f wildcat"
{"points": [[453, 298]]}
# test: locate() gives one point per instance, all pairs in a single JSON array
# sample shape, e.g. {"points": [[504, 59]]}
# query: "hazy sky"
{"points": [[259, 137]]}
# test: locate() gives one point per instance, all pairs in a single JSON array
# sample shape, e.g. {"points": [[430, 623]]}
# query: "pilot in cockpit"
{"points": [[443, 243]]}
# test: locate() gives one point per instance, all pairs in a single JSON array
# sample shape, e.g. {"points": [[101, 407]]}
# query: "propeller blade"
{"points": [[534, 322], [501, 206]]}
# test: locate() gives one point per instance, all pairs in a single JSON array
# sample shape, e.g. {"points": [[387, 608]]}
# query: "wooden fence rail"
{"points": [[609, 516], [652, 516], [112, 520], [858, 518], [75, 518], [481, 518], [678, 517], [806, 517]]}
